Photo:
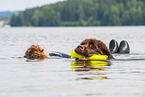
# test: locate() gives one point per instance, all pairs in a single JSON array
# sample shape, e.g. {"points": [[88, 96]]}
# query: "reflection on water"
{"points": [[35, 60], [90, 70]]}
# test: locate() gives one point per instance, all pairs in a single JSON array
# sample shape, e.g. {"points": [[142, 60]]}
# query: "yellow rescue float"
{"points": [[93, 57]]}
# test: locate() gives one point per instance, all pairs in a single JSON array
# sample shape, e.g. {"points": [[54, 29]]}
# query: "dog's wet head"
{"points": [[88, 48]]}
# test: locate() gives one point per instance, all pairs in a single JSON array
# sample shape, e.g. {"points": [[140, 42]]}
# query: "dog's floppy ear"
{"points": [[104, 49], [96, 46]]}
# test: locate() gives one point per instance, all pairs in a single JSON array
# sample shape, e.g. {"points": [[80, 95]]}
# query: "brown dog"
{"points": [[89, 47], [36, 52]]}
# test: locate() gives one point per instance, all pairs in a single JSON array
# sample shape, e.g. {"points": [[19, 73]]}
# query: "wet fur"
{"points": [[89, 47]]}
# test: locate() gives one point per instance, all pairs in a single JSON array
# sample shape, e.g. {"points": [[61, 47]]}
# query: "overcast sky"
{"points": [[14, 5]]}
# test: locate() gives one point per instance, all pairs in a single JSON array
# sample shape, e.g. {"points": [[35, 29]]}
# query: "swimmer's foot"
{"points": [[123, 48], [113, 46]]}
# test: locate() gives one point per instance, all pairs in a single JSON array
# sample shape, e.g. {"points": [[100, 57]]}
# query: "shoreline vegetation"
{"points": [[83, 13]]}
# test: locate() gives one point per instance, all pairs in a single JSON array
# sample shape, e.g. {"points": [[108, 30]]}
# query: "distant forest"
{"points": [[84, 13]]}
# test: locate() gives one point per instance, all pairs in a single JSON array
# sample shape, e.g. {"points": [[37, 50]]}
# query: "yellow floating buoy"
{"points": [[93, 57]]}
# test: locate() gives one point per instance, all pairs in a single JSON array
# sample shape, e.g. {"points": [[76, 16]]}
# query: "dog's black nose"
{"points": [[81, 47]]}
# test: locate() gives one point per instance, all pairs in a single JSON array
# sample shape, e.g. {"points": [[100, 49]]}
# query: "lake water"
{"points": [[19, 77]]}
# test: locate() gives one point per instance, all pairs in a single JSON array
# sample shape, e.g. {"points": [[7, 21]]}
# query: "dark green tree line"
{"points": [[84, 13]]}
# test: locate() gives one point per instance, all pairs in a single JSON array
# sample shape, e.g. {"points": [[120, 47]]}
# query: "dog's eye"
{"points": [[92, 46]]}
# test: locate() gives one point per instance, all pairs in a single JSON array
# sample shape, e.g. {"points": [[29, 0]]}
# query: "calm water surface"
{"points": [[19, 77]]}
